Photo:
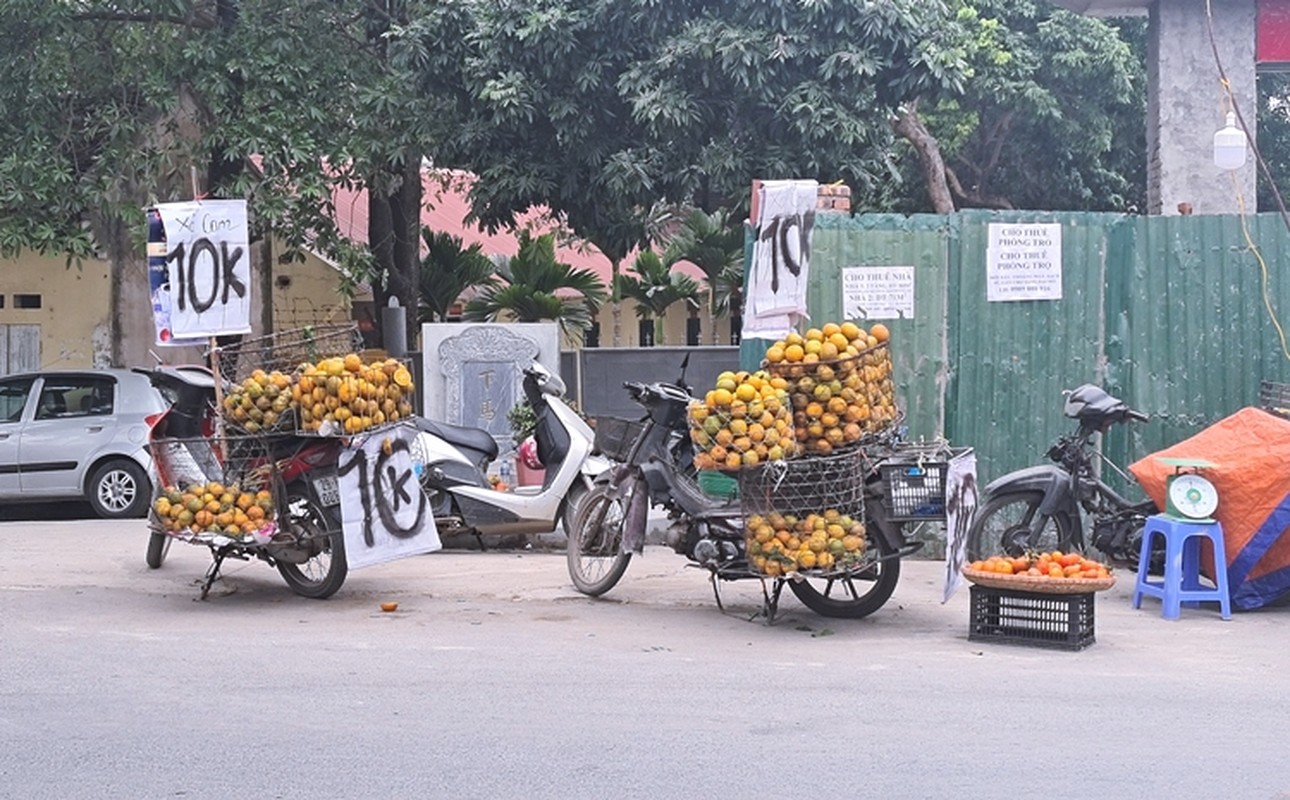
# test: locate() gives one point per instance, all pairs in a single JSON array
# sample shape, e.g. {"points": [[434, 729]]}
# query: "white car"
{"points": [[78, 434]]}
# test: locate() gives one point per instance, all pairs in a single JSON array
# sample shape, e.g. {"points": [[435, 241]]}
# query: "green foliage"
{"points": [[715, 244], [1274, 138], [447, 271], [1053, 117], [656, 287], [535, 286], [599, 108]]}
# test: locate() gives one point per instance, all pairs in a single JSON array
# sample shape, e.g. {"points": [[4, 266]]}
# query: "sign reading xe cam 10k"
{"points": [[208, 262]]}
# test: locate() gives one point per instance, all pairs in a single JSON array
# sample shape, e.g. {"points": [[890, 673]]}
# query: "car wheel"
{"points": [[118, 489]]}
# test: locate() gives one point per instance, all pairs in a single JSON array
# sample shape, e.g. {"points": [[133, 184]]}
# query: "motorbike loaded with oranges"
{"points": [[245, 460], [795, 474]]}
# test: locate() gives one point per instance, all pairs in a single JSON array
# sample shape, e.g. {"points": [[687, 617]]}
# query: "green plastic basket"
{"points": [[718, 484]]}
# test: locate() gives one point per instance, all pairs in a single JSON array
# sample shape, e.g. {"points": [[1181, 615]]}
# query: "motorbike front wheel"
{"points": [[324, 572], [1003, 526], [595, 546], [852, 596], [158, 546]]}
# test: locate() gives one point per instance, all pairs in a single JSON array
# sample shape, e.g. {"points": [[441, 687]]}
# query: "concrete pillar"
{"points": [[1186, 104]]}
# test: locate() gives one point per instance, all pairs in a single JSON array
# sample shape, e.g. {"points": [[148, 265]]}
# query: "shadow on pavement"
{"points": [[24, 512]]}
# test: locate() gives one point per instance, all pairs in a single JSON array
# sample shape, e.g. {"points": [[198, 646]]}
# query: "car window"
{"points": [[75, 396], [13, 398]]}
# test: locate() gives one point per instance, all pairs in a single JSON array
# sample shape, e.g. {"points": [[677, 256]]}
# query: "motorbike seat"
{"points": [[480, 441], [1092, 402]]}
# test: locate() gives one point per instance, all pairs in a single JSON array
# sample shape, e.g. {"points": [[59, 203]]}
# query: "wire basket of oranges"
{"points": [[742, 423], [839, 382]]}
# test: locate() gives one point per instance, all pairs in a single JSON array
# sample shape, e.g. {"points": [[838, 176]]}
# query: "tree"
{"points": [[1053, 117], [535, 286], [715, 244], [599, 108], [656, 286], [108, 103], [447, 271]]}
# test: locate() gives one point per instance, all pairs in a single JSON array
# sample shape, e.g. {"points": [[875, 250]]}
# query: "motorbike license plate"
{"points": [[328, 489]]}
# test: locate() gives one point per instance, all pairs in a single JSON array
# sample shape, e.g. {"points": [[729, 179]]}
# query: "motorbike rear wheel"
{"points": [[854, 596], [324, 573], [594, 550], [1002, 527]]}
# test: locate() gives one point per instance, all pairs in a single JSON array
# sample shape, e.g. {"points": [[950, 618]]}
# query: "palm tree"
{"points": [[447, 271], [655, 287], [716, 246], [535, 286]]}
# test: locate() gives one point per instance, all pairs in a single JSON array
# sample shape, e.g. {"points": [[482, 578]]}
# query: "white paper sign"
{"points": [[960, 511], [775, 297], [878, 292], [208, 259], [384, 513], [1024, 261]]}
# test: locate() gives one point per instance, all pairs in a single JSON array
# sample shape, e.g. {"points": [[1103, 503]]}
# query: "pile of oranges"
{"points": [[839, 383], [336, 396], [780, 544], [1056, 564], [213, 508], [743, 422]]}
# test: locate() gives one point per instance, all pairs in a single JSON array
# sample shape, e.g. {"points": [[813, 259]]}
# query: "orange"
{"points": [[880, 332], [794, 353]]}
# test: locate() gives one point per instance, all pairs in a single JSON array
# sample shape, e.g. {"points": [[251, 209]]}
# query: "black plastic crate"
{"points": [[1005, 616]]}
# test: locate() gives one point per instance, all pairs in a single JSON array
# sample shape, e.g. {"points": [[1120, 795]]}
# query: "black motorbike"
{"points": [[655, 468], [1039, 508]]}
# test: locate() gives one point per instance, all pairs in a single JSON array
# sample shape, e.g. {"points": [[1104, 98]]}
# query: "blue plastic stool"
{"points": [[1181, 585]]}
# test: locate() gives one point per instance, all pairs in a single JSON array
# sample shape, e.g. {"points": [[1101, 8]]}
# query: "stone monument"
{"points": [[472, 371]]}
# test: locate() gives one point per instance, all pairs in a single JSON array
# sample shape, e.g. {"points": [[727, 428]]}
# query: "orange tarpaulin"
{"points": [[1251, 449]]}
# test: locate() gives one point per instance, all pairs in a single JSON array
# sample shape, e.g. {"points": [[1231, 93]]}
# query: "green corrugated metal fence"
{"points": [[1168, 313]]}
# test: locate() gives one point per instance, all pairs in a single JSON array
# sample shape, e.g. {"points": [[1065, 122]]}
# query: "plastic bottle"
{"points": [[506, 471]]}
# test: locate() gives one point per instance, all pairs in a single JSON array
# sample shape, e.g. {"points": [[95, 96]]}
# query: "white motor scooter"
{"points": [[453, 463]]}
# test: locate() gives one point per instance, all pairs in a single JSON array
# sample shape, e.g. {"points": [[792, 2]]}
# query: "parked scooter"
{"points": [[308, 547], [453, 463]]}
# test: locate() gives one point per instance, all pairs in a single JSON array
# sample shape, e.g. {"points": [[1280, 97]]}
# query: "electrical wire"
{"points": [[1263, 167], [1263, 265]]}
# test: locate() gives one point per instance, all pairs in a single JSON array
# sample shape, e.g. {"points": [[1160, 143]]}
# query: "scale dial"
{"points": [[1193, 496]]}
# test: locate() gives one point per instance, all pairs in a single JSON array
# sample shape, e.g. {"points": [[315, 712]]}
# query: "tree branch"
{"points": [[908, 125], [974, 198]]}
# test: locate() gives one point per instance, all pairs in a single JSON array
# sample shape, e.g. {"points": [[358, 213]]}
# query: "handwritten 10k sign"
{"points": [[209, 266], [384, 513]]}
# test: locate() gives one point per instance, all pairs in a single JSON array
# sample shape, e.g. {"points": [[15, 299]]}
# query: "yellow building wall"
{"points": [[73, 307], [307, 293]]}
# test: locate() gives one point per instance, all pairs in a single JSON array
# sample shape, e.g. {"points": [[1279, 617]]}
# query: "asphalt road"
{"points": [[495, 679]]}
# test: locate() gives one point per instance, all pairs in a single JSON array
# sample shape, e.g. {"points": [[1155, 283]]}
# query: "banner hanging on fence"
{"points": [[208, 261], [775, 300], [1023, 261]]}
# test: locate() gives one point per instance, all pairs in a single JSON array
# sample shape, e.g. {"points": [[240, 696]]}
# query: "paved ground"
{"points": [[496, 679]]}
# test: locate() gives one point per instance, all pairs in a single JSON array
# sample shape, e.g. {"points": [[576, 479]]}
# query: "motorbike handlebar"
{"points": [[1139, 416]]}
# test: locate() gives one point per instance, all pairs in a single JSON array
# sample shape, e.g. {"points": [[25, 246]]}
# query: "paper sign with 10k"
{"points": [[209, 263], [384, 513]]}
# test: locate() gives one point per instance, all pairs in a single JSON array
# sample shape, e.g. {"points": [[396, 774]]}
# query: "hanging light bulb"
{"points": [[1229, 145]]}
